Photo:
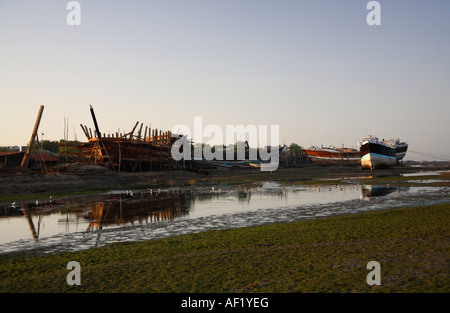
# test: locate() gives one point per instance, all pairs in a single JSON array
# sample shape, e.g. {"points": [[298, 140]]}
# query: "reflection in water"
{"points": [[98, 212], [87, 221], [29, 211], [118, 209], [26, 213], [128, 210], [375, 191]]}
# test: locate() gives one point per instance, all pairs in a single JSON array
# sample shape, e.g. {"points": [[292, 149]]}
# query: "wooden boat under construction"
{"points": [[134, 151]]}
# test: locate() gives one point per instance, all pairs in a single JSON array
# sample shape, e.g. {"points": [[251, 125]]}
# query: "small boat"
{"points": [[255, 164], [376, 153]]}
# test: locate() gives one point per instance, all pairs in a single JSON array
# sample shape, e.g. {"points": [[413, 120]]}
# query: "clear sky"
{"points": [[313, 67]]}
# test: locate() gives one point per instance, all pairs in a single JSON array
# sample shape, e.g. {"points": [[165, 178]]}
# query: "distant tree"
{"points": [[295, 147], [51, 146], [65, 147], [46, 145], [9, 148]]}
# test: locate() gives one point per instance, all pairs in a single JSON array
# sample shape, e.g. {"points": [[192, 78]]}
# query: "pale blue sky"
{"points": [[315, 68]]}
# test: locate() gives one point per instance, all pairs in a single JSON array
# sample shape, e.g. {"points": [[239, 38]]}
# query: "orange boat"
{"points": [[334, 156]]}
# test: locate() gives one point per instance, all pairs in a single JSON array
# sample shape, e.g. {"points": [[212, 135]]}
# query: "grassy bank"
{"points": [[321, 255]]}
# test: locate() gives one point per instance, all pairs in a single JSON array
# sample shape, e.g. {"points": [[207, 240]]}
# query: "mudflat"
{"points": [[24, 185]]}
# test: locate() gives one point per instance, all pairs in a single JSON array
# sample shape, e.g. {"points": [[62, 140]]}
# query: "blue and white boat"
{"points": [[376, 153]]}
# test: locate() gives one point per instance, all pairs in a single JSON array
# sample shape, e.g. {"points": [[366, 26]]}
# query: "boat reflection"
{"points": [[118, 209], [130, 210], [95, 213], [99, 212], [375, 191]]}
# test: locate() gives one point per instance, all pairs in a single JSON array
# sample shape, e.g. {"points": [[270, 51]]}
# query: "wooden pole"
{"points": [[132, 132], [26, 157], [84, 131], [40, 153], [99, 135], [140, 132]]}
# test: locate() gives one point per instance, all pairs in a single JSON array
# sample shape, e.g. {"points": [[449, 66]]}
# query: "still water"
{"points": [[91, 221]]}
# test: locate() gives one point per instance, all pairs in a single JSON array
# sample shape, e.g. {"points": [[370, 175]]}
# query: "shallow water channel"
{"points": [[90, 221]]}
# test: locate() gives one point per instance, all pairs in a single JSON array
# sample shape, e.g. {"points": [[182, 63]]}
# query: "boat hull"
{"points": [[128, 155], [334, 157], [400, 151], [374, 155]]}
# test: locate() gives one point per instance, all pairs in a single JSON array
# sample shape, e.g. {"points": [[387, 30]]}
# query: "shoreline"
{"points": [[321, 255], [393, 235], [31, 187]]}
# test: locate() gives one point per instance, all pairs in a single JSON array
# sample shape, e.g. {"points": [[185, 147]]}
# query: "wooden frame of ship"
{"points": [[147, 150]]}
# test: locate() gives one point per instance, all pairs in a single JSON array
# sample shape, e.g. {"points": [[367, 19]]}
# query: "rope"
{"points": [[437, 156]]}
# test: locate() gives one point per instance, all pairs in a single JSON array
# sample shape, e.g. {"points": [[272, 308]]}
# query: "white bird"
{"points": [[37, 202]]}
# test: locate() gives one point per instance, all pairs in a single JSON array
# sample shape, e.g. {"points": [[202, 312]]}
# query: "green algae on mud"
{"points": [[320, 255]]}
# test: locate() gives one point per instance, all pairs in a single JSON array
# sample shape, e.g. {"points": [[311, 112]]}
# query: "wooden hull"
{"points": [[334, 157], [128, 155], [130, 152], [255, 165]]}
